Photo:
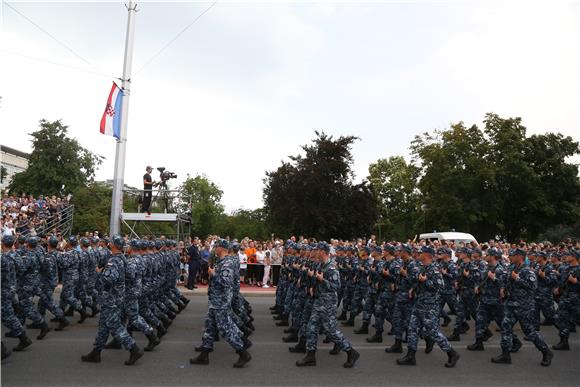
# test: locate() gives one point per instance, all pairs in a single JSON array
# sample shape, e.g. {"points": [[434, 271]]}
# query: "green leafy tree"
{"points": [[314, 194], [203, 198], [244, 223], [92, 208], [394, 184], [57, 165]]}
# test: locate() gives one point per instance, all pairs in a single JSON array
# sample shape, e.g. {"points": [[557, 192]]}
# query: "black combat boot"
{"points": [[92, 357], [69, 312], [243, 359], [278, 317], [464, 327], [376, 338], [446, 321], [291, 338], [283, 322], [289, 330], [363, 330], [247, 343], [395, 348], [166, 321], [201, 349], [335, 350], [153, 342], [94, 310], [326, 340], [342, 316], [487, 335], [349, 322], [452, 358], [477, 346], [300, 347], [504, 358], [24, 342], [201, 359], [547, 322], [429, 345], [516, 345], [113, 344], [171, 315], [547, 357], [62, 323], [10, 334], [161, 331], [408, 359], [562, 345], [351, 357], [5, 351], [135, 354], [274, 307], [84, 315], [454, 336], [308, 360], [44, 329]]}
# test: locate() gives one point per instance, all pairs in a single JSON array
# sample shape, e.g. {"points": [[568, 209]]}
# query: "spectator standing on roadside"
{"points": [[260, 256], [267, 263], [276, 262], [194, 263]]}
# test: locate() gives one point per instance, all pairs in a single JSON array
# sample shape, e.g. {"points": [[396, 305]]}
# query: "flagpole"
{"points": [[118, 180]]}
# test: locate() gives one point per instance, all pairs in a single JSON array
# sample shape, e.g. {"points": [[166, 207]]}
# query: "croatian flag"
{"points": [[111, 120]]}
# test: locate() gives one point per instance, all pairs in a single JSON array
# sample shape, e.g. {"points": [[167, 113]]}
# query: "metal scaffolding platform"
{"points": [[167, 206]]}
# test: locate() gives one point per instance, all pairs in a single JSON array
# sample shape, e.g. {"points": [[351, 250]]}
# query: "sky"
{"points": [[249, 82]]}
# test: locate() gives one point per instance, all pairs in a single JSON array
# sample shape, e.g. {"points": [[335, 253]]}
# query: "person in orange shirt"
{"points": [[251, 254]]}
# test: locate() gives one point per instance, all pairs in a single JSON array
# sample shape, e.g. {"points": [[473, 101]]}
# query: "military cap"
{"points": [[53, 241], [32, 241], [8, 240], [135, 244], [223, 244], [323, 246], [406, 247], [21, 239], [378, 249], [85, 241], [118, 241], [494, 252], [428, 250], [72, 240]]}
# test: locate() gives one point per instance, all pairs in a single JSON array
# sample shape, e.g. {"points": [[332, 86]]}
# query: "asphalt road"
{"points": [[55, 361]]}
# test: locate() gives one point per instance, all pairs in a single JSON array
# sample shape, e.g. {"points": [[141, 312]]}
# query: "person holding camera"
{"points": [[147, 190]]}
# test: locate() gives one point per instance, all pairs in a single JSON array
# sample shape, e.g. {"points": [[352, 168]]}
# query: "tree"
{"points": [[204, 198], [314, 194], [92, 208], [244, 223], [394, 184], [57, 165]]}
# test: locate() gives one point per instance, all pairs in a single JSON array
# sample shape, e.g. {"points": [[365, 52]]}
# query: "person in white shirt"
{"points": [[243, 264], [267, 263], [260, 255]]}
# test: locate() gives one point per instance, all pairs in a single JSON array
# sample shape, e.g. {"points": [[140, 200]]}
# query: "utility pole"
{"points": [[119, 177]]}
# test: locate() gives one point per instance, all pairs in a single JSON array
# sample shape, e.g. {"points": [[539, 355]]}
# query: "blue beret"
{"points": [[222, 243], [428, 249], [118, 241], [8, 240]]}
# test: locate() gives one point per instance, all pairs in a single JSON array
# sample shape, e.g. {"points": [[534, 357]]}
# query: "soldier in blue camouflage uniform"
{"points": [[69, 264], [372, 279], [92, 263], [469, 277], [346, 281], [547, 281], [83, 293], [48, 282], [386, 298], [218, 318], [361, 286], [425, 315], [147, 289], [405, 269], [448, 295], [27, 267], [519, 306], [283, 281], [133, 289], [9, 319], [324, 312], [112, 292], [291, 291], [491, 304], [300, 294], [569, 307]]}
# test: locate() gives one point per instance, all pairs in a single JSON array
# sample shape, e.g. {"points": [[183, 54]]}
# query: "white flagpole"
{"points": [[118, 180]]}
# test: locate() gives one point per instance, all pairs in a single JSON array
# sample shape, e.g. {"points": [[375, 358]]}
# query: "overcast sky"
{"points": [[249, 83]]}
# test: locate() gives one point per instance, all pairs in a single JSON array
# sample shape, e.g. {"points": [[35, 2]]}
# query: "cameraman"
{"points": [[147, 191]]}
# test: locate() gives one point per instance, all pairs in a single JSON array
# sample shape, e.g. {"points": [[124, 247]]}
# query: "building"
{"points": [[13, 161]]}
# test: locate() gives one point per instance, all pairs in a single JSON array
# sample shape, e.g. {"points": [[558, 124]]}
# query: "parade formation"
{"points": [[415, 287]]}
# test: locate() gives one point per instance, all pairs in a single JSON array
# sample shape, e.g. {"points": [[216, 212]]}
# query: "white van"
{"points": [[457, 237]]}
